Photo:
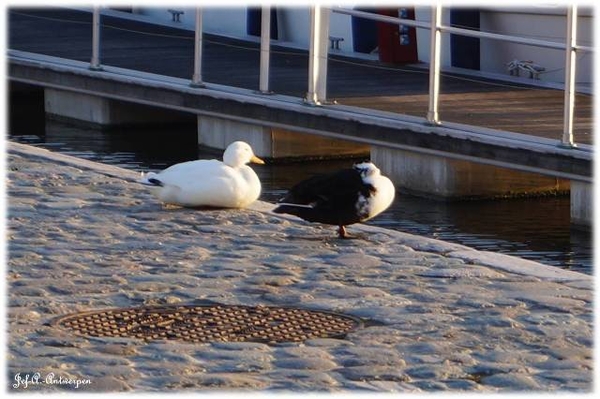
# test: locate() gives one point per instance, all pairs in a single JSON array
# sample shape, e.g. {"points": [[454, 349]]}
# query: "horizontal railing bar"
{"points": [[510, 38], [584, 48]]}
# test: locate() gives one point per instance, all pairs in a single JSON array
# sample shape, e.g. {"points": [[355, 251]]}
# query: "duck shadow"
{"points": [[350, 239], [207, 208]]}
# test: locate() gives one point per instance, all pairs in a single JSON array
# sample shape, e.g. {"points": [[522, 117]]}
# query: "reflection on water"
{"points": [[535, 228]]}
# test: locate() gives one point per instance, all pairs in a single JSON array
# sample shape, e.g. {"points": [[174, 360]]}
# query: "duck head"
{"points": [[367, 169], [240, 153]]}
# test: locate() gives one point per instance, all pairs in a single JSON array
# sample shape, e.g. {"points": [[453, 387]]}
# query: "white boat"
{"points": [[397, 44]]}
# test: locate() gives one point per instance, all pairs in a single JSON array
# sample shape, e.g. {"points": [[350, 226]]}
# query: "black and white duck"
{"points": [[341, 198]]}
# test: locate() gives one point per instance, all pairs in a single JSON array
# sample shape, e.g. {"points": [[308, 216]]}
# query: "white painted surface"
{"points": [[219, 133], [94, 109], [495, 54], [294, 25], [442, 177], [582, 203], [82, 107], [230, 21], [424, 37], [545, 23]]}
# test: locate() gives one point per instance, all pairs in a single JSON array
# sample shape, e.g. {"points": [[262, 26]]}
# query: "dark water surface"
{"points": [[535, 228]]}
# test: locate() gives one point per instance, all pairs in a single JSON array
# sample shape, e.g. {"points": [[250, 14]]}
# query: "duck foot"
{"points": [[342, 233]]}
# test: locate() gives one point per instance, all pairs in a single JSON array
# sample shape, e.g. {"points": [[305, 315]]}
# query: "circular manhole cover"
{"points": [[211, 323]]}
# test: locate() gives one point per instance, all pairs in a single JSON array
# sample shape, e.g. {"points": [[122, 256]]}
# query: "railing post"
{"points": [[95, 61], [434, 66], [197, 76], [265, 48], [317, 59], [570, 61]]}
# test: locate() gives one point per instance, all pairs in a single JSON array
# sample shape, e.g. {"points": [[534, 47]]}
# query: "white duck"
{"points": [[227, 184]]}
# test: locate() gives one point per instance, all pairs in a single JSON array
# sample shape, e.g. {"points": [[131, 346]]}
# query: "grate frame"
{"points": [[210, 323]]}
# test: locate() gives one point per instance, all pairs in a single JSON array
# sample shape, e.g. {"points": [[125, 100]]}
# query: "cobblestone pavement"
{"points": [[439, 316]]}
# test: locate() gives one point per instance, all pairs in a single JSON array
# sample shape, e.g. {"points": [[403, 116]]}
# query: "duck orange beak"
{"points": [[257, 160]]}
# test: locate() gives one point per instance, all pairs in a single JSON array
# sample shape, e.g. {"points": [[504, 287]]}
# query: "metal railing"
{"points": [[436, 27], [318, 53], [197, 76], [95, 61], [265, 49]]}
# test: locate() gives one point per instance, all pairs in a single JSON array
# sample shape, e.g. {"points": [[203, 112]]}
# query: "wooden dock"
{"points": [[401, 89]]}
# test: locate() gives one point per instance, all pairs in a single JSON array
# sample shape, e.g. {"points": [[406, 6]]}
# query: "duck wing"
{"points": [[327, 189], [330, 198], [187, 173]]}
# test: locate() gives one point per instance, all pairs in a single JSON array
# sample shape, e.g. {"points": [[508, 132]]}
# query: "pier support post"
{"points": [[80, 107], [582, 203], [444, 178], [219, 133], [274, 143], [102, 112]]}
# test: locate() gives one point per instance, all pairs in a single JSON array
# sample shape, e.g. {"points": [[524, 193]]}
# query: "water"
{"points": [[536, 228]]}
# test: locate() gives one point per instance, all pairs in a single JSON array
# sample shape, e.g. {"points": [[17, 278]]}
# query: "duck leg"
{"points": [[344, 235]]}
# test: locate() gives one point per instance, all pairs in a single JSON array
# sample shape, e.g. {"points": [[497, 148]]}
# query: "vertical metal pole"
{"points": [[323, 48], [313, 60], [317, 59], [434, 66], [265, 48], [570, 61], [197, 76], [95, 61]]}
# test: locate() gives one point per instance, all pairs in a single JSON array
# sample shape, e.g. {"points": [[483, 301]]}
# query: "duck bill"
{"points": [[257, 160]]}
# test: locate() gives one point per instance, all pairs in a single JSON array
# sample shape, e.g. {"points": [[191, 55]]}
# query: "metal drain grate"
{"points": [[211, 323]]}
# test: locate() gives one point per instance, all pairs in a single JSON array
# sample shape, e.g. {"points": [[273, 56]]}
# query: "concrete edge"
{"points": [[516, 265], [109, 170], [502, 262]]}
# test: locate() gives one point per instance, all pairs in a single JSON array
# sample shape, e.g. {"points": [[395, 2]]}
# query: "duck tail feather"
{"points": [[293, 209], [149, 179]]}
